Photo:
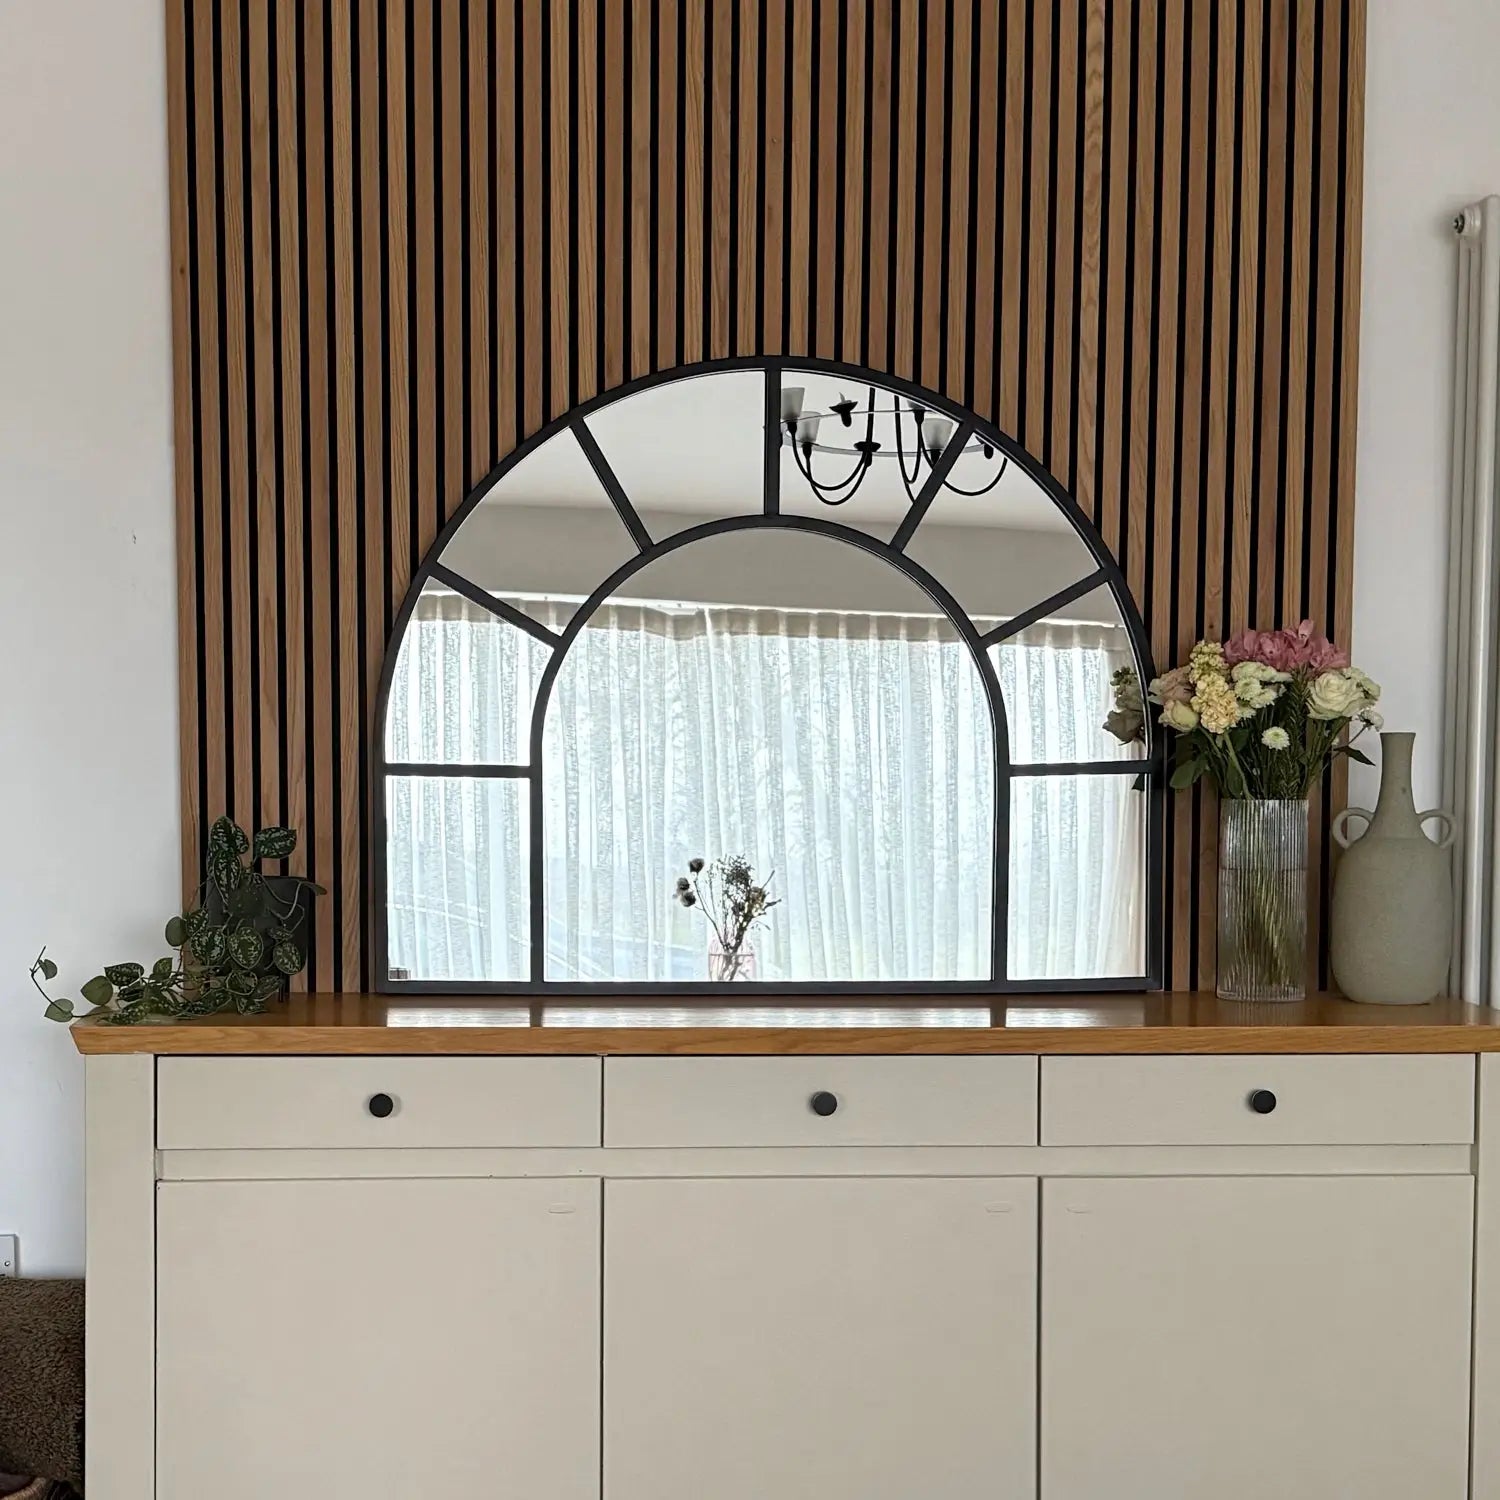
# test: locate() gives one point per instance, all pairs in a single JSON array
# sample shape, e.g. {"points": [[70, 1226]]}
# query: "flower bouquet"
{"points": [[1262, 716]]}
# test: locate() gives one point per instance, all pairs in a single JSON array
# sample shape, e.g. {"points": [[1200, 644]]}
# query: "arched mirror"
{"points": [[780, 627]]}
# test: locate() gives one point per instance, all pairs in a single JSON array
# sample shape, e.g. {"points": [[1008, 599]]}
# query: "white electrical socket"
{"points": [[8, 1255]]}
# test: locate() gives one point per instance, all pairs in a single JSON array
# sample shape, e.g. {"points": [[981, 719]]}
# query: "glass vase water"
{"points": [[1262, 899]]}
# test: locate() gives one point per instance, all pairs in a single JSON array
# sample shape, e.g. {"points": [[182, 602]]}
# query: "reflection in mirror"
{"points": [[457, 882], [1058, 677], [688, 451], [861, 455], [1077, 877], [792, 699], [544, 536], [463, 686], [1001, 553]]}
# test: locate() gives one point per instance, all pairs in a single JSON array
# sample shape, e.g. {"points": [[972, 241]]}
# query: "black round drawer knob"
{"points": [[381, 1105], [823, 1103], [1262, 1101]]}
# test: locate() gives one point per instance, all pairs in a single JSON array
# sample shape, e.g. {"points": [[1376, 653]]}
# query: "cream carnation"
{"points": [[1256, 685]]}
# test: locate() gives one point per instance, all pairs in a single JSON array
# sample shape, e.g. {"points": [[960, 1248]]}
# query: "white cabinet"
{"points": [[845, 1338], [1302, 1337], [378, 1338]]}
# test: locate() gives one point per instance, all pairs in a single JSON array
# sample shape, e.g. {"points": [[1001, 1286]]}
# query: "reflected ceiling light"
{"points": [[877, 431]]}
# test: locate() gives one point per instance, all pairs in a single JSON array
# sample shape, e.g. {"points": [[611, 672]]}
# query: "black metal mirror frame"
{"points": [[1105, 573]]}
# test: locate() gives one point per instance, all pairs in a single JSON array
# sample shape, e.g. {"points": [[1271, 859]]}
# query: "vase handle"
{"points": [[1339, 836], [1449, 826]]}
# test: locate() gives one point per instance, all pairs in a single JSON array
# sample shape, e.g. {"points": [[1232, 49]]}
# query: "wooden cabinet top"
{"points": [[1055, 1024]]}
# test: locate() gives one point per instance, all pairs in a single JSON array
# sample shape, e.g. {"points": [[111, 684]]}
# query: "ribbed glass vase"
{"points": [[1262, 899]]}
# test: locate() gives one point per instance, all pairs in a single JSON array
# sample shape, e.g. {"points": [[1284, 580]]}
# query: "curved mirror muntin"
{"points": [[1056, 782]]}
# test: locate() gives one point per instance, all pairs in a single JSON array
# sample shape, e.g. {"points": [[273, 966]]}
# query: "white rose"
{"points": [[1182, 717], [1334, 695]]}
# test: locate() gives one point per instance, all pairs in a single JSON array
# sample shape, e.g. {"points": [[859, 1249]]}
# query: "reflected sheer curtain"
{"points": [[851, 754]]}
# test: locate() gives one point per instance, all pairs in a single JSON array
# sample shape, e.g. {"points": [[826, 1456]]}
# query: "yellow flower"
{"points": [[1180, 716], [1217, 706], [1205, 660]]}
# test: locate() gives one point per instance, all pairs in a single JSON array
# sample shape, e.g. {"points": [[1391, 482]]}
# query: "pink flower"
{"points": [[1303, 648], [1172, 687]]}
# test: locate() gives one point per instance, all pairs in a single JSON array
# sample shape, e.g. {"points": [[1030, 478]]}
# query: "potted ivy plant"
{"points": [[239, 940]]}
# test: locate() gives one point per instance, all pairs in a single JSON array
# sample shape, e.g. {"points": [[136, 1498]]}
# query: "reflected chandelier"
{"points": [[931, 442]]}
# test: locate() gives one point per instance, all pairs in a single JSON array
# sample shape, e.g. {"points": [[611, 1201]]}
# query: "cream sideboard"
{"points": [[372, 1256]]}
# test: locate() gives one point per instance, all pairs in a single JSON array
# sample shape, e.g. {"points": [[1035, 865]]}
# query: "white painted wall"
{"points": [[1432, 144], [88, 699]]}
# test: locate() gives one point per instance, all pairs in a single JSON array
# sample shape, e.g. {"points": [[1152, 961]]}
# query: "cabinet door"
{"points": [[852, 1339], [378, 1338], [1302, 1337]]}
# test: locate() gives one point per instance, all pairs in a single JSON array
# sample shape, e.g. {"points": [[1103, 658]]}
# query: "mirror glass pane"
{"points": [[1067, 677], [458, 877], [463, 687], [1002, 552], [689, 451], [1077, 877], [793, 700], [545, 536]]}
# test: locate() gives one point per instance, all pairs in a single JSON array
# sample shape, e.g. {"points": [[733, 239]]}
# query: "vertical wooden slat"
{"points": [[748, 87], [800, 274], [1038, 288], [235, 251], [374, 498], [694, 269], [987, 41], [878, 241], [560, 286], [263, 375], [318, 435], [932, 148], [348, 497], [721, 179], [907, 40], [1240, 605], [1060, 392], [641, 166], [1298, 294], [398, 302], [532, 249], [185, 379], [1140, 497], [586, 225], [289, 221], [1091, 167], [411, 232], [507, 228], [667, 352], [1164, 635], [1113, 256], [850, 269], [1012, 185], [827, 179]]}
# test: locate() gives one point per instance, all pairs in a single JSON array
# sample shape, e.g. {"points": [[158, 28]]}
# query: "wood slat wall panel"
{"points": [[406, 233]]}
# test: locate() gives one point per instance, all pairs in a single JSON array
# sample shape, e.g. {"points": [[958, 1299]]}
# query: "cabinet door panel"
{"points": [[1301, 1337], [378, 1338], [845, 1338]]}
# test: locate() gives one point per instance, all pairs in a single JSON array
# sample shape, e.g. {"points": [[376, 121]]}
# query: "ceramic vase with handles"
{"points": [[1392, 917]]}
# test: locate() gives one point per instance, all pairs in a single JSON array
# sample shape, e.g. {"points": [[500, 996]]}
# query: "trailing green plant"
{"points": [[236, 943]]}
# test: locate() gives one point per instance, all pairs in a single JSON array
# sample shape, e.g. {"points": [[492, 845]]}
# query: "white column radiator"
{"points": [[1472, 712]]}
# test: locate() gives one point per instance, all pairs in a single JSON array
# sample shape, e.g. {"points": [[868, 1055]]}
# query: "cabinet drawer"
{"points": [[820, 1101], [249, 1103], [1257, 1101]]}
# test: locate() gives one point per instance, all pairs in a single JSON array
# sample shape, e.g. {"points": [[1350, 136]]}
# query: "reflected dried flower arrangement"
{"points": [[733, 902]]}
